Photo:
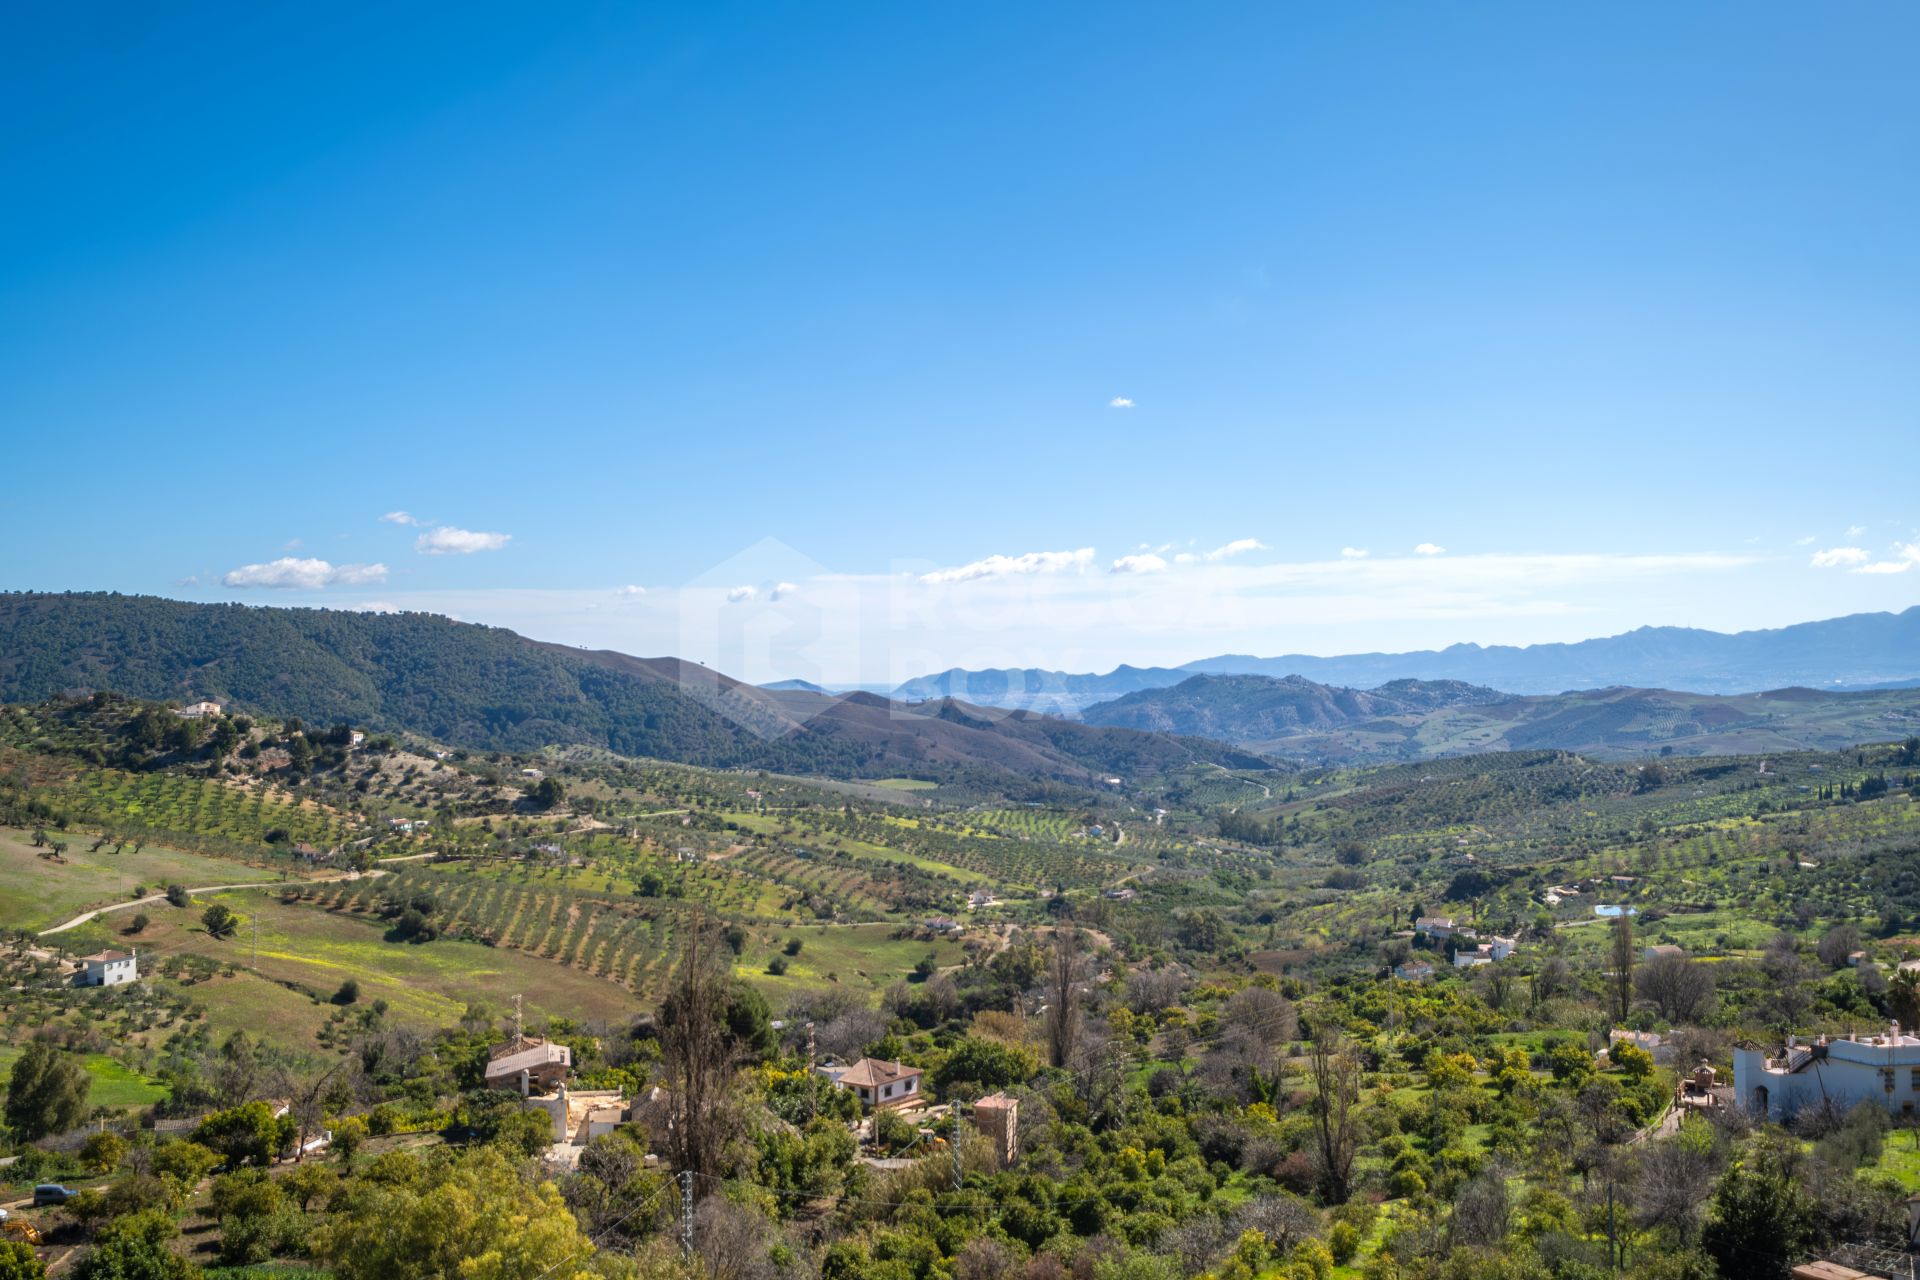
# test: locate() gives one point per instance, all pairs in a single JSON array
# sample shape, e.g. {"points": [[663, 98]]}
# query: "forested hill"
{"points": [[491, 688], [1265, 709], [1295, 718]]}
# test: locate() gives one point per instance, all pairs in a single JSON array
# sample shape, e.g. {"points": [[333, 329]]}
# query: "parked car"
{"points": [[52, 1193]]}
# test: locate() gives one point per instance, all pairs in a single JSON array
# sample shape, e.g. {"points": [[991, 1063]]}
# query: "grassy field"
{"points": [[114, 1083], [862, 955], [306, 953], [41, 892]]}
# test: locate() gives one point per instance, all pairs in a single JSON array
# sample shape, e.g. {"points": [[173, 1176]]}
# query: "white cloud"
{"points": [[1353, 553], [1238, 547], [1119, 402], [878, 626], [1807, 541], [304, 574], [292, 544], [1904, 558], [740, 595], [449, 541], [1146, 562], [1855, 530], [630, 591], [1429, 549], [375, 606], [401, 517], [1840, 557], [1007, 566], [781, 590]]}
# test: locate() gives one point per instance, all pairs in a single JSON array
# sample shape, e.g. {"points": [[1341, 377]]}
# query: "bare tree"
{"points": [[698, 1060], [1555, 977], [310, 1091], [1787, 974], [1262, 1013], [1153, 990], [1336, 1088], [1065, 971], [1837, 943], [1620, 978], [1482, 1212], [1668, 1182], [1680, 988], [732, 1243], [984, 1258], [1498, 986]]}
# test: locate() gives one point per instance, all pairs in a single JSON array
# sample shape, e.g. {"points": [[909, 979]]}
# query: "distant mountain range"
{"points": [[490, 688], [1293, 717], [1860, 650]]}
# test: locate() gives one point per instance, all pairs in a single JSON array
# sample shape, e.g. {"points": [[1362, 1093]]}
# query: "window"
{"points": [[911, 1083], [1913, 1078]]}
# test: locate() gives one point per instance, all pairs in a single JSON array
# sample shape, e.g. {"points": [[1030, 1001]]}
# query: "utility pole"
{"points": [[813, 1080], [953, 1145], [686, 1216]]}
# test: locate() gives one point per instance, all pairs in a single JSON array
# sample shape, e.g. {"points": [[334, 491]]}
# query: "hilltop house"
{"points": [[109, 969], [1439, 928], [1882, 1069], [878, 1083], [528, 1061], [1495, 948], [981, 898], [1413, 971], [1652, 1042], [199, 710]]}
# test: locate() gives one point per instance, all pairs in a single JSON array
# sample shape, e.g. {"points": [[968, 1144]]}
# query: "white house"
{"points": [[1487, 952], [199, 710], [980, 898], [1434, 926], [1882, 1069], [878, 1083], [110, 969], [1413, 971]]}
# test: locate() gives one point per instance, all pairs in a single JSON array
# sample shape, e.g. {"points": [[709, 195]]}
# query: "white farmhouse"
{"points": [[1882, 1069], [110, 969]]}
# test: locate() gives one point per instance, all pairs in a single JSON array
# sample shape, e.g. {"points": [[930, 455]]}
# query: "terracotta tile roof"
{"points": [[872, 1073]]}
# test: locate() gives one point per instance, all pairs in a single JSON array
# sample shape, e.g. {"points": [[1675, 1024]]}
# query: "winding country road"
{"points": [[153, 899]]}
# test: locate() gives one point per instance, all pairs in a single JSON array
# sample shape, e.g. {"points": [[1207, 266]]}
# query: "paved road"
{"points": [[155, 898]]}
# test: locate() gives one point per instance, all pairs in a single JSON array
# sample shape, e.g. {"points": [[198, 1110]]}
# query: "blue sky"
{"points": [[1615, 304]]}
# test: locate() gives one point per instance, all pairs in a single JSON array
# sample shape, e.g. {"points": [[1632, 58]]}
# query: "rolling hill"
{"points": [[1293, 717], [1857, 651], [490, 688]]}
